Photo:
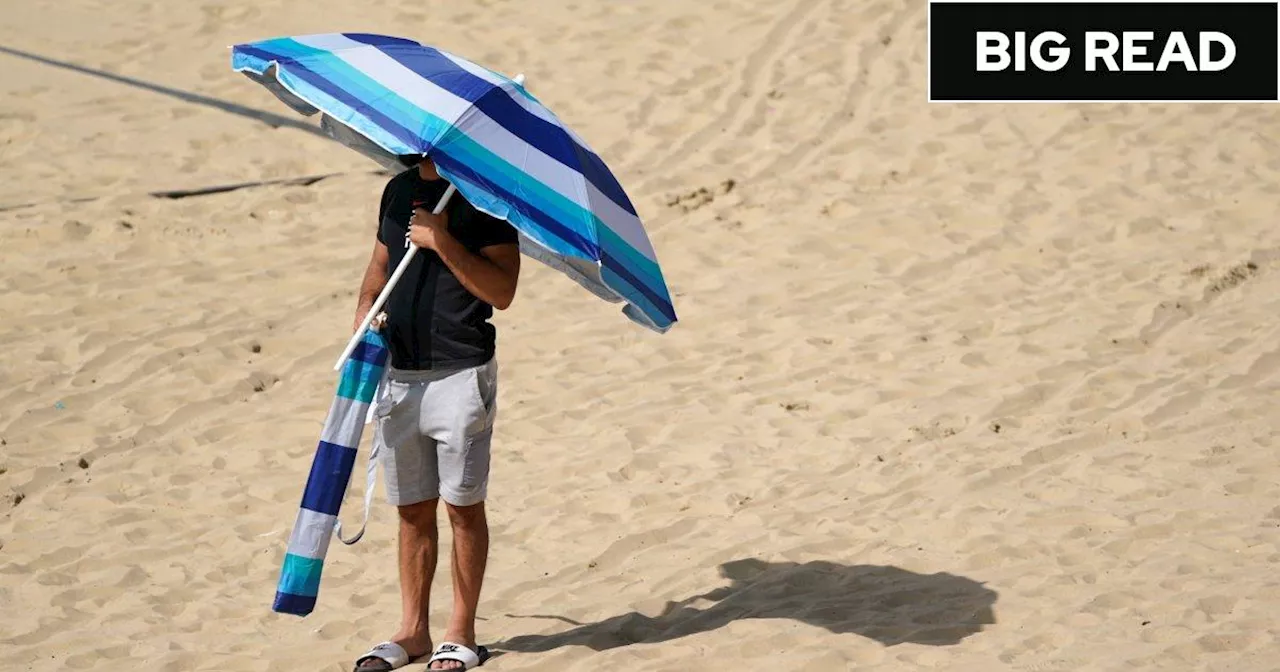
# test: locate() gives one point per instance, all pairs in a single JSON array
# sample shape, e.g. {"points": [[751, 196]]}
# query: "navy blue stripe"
{"points": [[298, 605], [548, 137], [380, 40], [331, 88], [330, 474], [553, 141], [659, 302], [588, 248], [597, 173], [370, 353]]}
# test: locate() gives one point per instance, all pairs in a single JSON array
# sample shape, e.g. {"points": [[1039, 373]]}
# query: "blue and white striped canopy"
{"points": [[507, 154]]}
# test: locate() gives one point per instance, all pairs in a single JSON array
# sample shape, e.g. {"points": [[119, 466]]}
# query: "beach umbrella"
{"points": [[395, 101]]}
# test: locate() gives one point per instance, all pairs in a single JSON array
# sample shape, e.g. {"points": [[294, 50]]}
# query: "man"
{"points": [[435, 420]]}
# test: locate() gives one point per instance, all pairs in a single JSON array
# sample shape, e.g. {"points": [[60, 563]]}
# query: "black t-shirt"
{"points": [[433, 322]]}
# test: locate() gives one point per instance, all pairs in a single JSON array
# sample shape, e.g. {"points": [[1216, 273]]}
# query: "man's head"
{"points": [[426, 167]]}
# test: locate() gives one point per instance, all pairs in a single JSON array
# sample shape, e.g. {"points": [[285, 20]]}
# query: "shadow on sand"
{"points": [[887, 604], [268, 118]]}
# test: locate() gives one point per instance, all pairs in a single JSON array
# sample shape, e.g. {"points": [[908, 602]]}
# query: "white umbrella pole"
{"points": [[395, 277]]}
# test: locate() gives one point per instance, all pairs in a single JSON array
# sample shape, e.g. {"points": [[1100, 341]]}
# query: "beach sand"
{"points": [[970, 387]]}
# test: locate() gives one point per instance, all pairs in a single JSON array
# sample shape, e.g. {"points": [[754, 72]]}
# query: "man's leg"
{"points": [[470, 554], [409, 466], [465, 407], [419, 547]]}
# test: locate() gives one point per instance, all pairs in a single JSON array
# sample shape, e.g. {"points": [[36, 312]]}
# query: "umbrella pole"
{"points": [[395, 277], [391, 284]]}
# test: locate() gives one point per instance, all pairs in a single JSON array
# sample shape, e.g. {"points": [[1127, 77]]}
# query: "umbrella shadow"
{"points": [[268, 118], [887, 604]]}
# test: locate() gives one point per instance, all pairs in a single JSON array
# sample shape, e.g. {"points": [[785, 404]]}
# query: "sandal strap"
{"points": [[393, 653], [457, 653]]}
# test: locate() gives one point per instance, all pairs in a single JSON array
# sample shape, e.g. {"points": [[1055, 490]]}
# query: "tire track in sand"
{"points": [[752, 76]]}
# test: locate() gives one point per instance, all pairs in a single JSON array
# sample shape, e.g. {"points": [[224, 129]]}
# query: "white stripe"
{"points": [[345, 422], [523, 101], [478, 70], [623, 223], [387, 71], [486, 132], [311, 534]]}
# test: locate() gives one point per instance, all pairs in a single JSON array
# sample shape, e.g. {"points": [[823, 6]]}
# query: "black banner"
{"points": [[1103, 51]]}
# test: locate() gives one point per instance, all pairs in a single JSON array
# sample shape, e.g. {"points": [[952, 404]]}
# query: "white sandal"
{"points": [[390, 653], [459, 654]]}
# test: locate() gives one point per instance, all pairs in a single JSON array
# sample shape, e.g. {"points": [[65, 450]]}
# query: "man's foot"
{"points": [[414, 647], [457, 652]]}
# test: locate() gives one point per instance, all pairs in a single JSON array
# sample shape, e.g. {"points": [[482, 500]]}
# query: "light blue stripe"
{"points": [[358, 85], [344, 114], [479, 197], [244, 61], [359, 381], [633, 296], [364, 88], [517, 182], [540, 196], [255, 59], [645, 269], [300, 576], [619, 250], [369, 91]]}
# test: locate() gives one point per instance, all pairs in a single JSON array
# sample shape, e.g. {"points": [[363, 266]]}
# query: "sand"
{"points": [[956, 386]]}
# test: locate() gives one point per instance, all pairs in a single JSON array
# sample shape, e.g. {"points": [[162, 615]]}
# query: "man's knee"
{"points": [[421, 515], [467, 517]]}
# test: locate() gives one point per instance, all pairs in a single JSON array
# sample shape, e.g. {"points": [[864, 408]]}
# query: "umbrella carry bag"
{"points": [[330, 474]]}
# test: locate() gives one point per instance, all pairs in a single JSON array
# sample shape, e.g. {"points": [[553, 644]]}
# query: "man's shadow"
{"points": [[887, 604]]}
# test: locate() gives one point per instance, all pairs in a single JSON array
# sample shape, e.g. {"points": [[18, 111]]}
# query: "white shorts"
{"points": [[433, 430]]}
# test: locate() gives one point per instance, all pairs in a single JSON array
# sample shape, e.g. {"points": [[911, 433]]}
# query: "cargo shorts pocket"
{"points": [[475, 459], [486, 389]]}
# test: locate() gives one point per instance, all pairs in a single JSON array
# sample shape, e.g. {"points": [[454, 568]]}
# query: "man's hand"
{"points": [[376, 324], [361, 312], [425, 229]]}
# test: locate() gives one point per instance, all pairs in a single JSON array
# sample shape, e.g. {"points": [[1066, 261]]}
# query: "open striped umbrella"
{"points": [[395, 101], [509, 155]]}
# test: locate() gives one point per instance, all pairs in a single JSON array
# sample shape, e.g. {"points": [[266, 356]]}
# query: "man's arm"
{"points": [[491, 276], [375, 278]]}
